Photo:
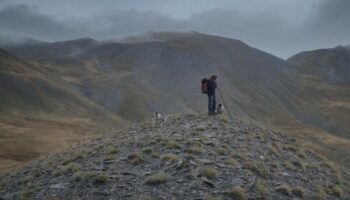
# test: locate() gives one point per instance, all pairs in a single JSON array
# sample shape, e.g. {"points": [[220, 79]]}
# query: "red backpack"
{"points": [[204, 85]]}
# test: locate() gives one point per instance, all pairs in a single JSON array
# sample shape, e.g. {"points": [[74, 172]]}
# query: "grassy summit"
{"points": [[182, 157]]}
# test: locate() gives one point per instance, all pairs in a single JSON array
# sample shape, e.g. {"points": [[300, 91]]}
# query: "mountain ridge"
{"points": [[158, 159], [134, 80]]}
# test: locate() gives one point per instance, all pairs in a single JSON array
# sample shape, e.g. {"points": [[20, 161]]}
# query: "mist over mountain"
{"points": [[333, 65], [164, 68], [39, 115], [134, 77], [280, 27]]}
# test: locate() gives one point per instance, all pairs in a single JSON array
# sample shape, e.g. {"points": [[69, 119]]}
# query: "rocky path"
{"points": [[182, 157]]}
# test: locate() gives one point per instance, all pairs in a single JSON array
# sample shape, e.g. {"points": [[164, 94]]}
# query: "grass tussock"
{"points": [[259, 168], [136, 159], [171, 144], [275, 165], [100, 179], [237, 193], [301, 154], [319, 194], [261, 187], [70, 168], [113, 151], [291, 148], [284, 189], [337, 191], [157, 179], [108, 157], [274, 149], [220, 151], [195, 150], [147, 150], [155, 155], [25, 193], [240, 155], [210, 197], [288, 165], [299, 192], [83, 176], [299, 164], [207, 172], [95, 177], [231, 161], [169, 157]]}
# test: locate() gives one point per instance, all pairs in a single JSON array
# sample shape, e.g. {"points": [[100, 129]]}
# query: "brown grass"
{"points": [[298, 191], [195, 150], [113, 151], [237, 193], [100, 179], [147, 150], [301, 165], [172, 144], [158, 178], [70, 168], [337, 191], [231, 161], [207, 172], [319, 194], [258, 168], [284, 189], [220, 151], [136, 159], [25, 193], [261, 187], [169, 157]]}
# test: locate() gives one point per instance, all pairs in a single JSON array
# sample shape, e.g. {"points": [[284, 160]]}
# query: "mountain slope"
{"points": [[161, 71], [332, 65], [325, 74], [32, 102], [183, 157]]}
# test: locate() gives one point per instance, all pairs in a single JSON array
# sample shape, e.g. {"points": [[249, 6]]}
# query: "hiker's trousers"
{"points": [[211, 103]]}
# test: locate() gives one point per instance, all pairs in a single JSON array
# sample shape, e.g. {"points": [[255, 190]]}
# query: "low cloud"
{"points": [[331, 21], [25, 20], [328, 25]]}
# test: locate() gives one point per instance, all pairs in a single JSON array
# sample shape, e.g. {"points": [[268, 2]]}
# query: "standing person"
{"points": [[211, 95]]}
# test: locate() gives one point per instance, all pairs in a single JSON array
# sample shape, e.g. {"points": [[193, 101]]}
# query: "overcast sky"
{"points": [[280, 27]]}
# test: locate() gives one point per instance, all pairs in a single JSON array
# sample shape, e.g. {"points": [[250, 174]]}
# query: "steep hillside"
{"points": [[161, 71], [325, 75], [332, 65], [39, 115], [183, 157]]}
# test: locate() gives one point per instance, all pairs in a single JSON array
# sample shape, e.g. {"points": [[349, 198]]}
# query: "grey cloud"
{"points": [[266, 30], [255, 29], [118, 22], [24, 20], [330, 21]]}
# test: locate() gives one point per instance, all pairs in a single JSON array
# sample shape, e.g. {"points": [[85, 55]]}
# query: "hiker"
{"points": [[211, 86]]}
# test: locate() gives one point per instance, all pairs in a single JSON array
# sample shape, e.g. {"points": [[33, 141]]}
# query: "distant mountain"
{"points": [[9, 40], [40, 115], [161, 71], [332, 65]]}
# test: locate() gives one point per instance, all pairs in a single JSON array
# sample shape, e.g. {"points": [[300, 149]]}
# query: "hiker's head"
{"points": [[213, 77]]}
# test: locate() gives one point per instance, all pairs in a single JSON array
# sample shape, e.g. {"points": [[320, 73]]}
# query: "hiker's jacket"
{"points": [[211, 87]]}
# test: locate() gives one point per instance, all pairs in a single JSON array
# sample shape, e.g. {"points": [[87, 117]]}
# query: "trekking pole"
{"points": [[223, 101]]}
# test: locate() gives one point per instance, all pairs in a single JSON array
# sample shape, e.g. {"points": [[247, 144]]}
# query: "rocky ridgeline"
{"points": [[182, 157]]}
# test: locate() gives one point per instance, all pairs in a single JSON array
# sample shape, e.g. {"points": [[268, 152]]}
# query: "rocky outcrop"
{"points": [[182, 157]]}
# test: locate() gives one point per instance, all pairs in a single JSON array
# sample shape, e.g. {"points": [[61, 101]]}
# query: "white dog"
{"points": [[157, 115], [220, 109]]}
